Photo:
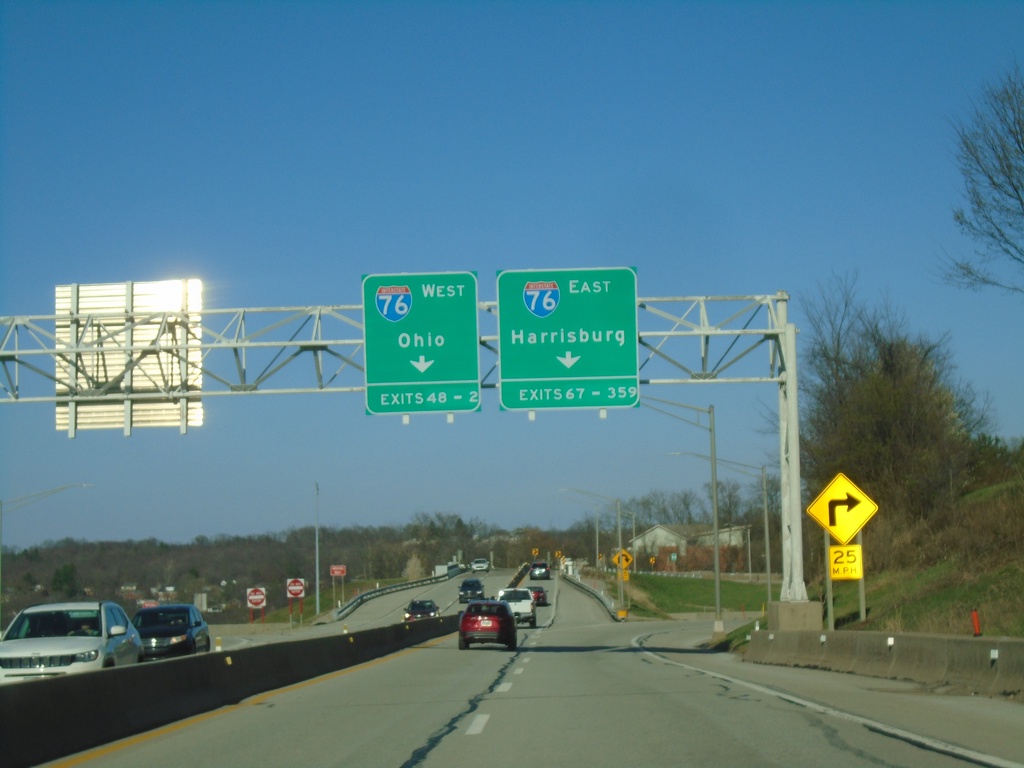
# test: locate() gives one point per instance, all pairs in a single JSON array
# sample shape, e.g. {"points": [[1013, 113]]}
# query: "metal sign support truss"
{"points": [[319, 349]]}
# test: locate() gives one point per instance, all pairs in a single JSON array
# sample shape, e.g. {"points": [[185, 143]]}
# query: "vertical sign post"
{"points": [[296, 589], [256, 597], [338, 570], [842, 510]]}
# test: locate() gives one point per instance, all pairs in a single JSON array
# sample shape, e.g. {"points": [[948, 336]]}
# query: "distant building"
{"points": [[688, 547]]}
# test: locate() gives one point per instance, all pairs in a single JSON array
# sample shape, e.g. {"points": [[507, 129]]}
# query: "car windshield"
{"points": [[471, 584], [421, 605], [82, 623], [161, 618], [516, 594]]}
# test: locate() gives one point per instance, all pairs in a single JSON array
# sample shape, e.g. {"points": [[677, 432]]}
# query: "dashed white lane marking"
{"points": [[503, 688], [517, 671], [477, 726]]}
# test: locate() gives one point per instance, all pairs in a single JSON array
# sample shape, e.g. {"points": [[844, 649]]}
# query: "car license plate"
{"points": [[485, 623]]}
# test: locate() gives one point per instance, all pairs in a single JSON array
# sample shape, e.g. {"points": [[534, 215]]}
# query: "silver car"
{"points": [[67, 638]]}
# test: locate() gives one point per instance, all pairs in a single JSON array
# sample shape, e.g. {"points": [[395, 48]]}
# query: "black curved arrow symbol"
{"points": [[850, 502]]}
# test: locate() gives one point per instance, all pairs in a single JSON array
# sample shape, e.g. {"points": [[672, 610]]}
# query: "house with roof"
{"points": [[689, 547]]}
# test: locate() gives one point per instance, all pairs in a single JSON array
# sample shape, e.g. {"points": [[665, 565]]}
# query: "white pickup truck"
{"points": [[521, 602]]}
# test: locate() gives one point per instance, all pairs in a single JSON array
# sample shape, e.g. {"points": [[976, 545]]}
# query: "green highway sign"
{"points": [[567, 338], [422, 338]]}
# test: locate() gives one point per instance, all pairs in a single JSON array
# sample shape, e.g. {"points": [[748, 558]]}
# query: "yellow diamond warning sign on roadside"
{"points": [[622, 558], [842, 509]]}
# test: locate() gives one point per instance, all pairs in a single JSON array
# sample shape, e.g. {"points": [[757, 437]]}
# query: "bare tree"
{"points": [[991, 159], [886, 408]]}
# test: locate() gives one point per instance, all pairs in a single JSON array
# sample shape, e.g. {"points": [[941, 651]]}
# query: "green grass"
{"points": [[660, 596], [937, 600]]}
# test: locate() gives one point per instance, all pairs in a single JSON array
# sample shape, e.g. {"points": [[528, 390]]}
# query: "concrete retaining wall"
{"points": [[46, 719], [990, 666]]}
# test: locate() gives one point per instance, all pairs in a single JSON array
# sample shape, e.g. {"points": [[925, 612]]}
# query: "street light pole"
{"points": [[18, 503], [618, 519], [767, 547], [710, 411], [316, 487], [618, 525], [719, 623], [763, 474]]}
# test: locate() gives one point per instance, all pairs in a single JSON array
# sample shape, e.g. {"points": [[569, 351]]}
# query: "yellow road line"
{"points": [[260, 698]]}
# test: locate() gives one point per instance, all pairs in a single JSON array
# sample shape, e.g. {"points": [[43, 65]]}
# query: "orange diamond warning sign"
{"points": [[842, 509]]}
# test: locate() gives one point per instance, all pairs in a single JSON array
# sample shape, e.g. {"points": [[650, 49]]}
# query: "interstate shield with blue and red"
{"points": [[541, 297], [394, 301]]}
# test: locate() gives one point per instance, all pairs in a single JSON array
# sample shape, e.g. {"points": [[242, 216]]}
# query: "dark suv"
{"points": [[471, 589], [540, 571]]}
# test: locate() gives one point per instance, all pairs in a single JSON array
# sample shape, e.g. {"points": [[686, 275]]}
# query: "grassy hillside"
{"points": [[970, 559], [936, 600]]}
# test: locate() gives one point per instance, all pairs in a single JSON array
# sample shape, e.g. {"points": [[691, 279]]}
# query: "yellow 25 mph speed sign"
{"points": [[846, 563]]}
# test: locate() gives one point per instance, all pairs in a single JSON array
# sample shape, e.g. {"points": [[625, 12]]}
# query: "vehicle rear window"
{"points": [[160, 618], [484, 609]]}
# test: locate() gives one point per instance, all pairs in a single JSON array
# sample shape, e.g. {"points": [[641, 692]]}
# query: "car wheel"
{"points": [[533, 623], [512, 644], [463, 643]]}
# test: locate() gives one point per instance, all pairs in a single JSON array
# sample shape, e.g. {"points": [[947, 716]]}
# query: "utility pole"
{"points": [[316, 487]]}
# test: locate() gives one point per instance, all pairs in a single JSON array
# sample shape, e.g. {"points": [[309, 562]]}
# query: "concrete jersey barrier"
{"points": [[988, 666], [47, 719]]}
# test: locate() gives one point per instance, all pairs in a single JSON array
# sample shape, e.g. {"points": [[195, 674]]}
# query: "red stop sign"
{"points": [[296, 588], [257, 597]]}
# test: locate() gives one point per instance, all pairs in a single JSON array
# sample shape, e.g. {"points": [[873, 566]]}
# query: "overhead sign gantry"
{"points": [[103, 361]]}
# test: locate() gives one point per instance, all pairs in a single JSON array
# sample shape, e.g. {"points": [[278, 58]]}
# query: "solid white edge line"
{"points": [[912, 738]]}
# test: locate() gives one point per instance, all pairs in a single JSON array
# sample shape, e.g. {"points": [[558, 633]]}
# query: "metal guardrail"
{"points": [[351, 605], [348, 608], [608, 603]]}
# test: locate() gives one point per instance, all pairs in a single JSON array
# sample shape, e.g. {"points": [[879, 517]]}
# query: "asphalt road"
{"points": [[583, 690], [379, 612]]}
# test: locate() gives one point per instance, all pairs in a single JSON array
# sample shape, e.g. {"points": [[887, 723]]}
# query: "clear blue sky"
{"points": [[281, 150]]}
